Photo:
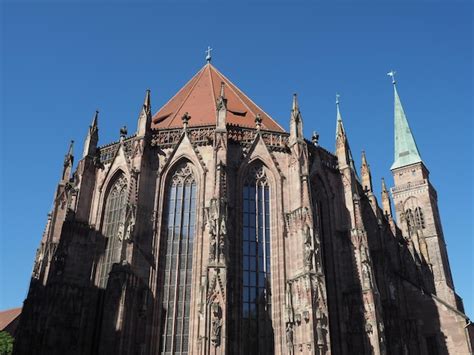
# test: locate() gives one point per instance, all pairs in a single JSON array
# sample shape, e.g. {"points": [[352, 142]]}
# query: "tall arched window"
{"points": [[113, 226], [180, 221], [420, 219], [256, 324], [410, 219]]}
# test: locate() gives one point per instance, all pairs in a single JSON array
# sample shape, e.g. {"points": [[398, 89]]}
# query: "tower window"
{"points": [[420, 220], [177, 267], [410, 219], [257, 331]]}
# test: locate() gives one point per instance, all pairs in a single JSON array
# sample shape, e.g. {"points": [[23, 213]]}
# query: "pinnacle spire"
{"points": [[296, 121], [339, 125], [365, 174], [147, 102], [384, 187], [70, 152], [68, 161], [295, 107], [222, 93], [92, 138], [144, 119], [406, 151], [386, 204], [95, 120], [343, 150], [364, 159]]}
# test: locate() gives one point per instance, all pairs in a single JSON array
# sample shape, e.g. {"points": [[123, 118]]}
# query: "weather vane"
{"points": [[392, 74], [208, 52]]}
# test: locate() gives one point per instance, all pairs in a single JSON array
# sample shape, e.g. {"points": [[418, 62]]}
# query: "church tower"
{"points": [[416, 205]]}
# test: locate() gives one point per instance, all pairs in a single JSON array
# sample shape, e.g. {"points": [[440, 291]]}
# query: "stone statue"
{"points": [[130, 224], [308, 249], [366, 279], [222, 236], [216, 324], [212, 239], [289, 337]]}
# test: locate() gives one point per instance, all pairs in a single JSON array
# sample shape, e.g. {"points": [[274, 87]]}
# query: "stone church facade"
{"points": [[212, 230]]}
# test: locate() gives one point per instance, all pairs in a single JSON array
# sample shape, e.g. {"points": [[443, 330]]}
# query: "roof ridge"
{"points": [[212, 85], [248, 98]]}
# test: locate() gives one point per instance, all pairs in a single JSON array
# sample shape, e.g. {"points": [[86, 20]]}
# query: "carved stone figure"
{"points": [[130, 223], [289, 337], [216, 324], [222, 236], [308, 249], [366, 278], [212, 241]]}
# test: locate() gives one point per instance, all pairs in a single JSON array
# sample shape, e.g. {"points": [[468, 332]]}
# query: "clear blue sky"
{"points": [[62, 60]]}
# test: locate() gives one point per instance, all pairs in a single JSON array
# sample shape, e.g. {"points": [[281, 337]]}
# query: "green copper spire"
{"points": [[406, 151]]}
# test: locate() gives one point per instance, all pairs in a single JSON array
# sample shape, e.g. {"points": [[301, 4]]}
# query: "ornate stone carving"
{"points": [[183, 173], [289, 337], [308, 248], [216, 324], [211, 217], [130, 222], [222, 237]]}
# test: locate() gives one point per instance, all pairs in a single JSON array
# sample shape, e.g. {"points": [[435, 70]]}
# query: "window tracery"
{"points": [[256, 322], [113, 227], [180, 217]]}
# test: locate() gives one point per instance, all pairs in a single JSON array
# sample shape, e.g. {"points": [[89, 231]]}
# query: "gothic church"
{"points": [[212, 230]]}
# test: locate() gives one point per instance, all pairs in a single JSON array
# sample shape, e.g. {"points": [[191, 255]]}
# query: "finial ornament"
{"points": [[71, 147], [222, 89], [315, 138], [337, 99], [258, 122], [392, 74], [123, 132], [208, 54], [186, 117]]}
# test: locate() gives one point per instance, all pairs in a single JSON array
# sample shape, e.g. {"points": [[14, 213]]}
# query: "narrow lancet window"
{"points": [[256, 324], [113, 227], [180, 217], [420, 220]]}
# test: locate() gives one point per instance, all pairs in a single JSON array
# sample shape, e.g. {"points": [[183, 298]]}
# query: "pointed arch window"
{"points": [[420, 219], [415, 218], [256, 324], [180, 219], [113, 226], [410, 219]]}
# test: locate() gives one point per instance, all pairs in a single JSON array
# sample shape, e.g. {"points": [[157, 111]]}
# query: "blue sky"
{"points": [[60, 61]]}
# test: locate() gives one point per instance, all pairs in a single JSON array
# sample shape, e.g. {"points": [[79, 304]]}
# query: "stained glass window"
{"points": [[179, 237], [113, 227], [256, 325]]}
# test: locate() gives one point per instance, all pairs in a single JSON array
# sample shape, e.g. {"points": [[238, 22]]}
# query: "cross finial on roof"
{"points": [[208, 54], [392, 74]]}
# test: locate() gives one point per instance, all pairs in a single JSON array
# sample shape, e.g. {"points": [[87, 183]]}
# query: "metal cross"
{"points": [[392, 74], [208, 56]]}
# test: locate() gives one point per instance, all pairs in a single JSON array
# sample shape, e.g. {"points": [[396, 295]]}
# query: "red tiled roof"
{"points": [[199, 96], [8, 316]]}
